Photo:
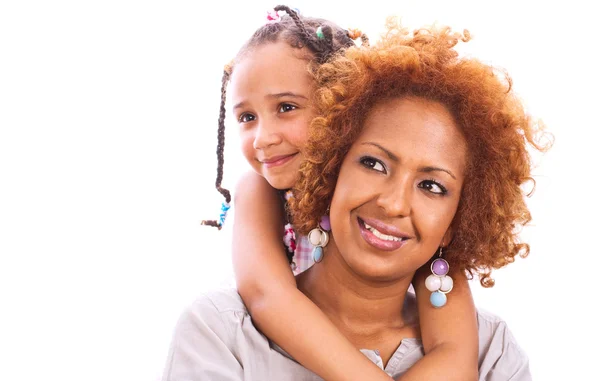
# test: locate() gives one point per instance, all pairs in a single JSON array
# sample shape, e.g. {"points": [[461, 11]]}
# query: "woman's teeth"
{"points": [[380, 235]]}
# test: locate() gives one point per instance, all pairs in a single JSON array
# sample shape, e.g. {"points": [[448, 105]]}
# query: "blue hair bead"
{"points": [[224, 208]]}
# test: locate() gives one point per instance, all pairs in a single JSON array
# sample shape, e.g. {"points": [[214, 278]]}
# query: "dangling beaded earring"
{"points": [[319, 238], [438, 282]]}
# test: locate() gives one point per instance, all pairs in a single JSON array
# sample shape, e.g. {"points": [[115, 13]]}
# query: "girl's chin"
{"points": [[281, 181], [280, 184]]}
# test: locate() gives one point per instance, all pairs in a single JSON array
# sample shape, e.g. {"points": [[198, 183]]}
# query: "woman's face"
{"points": [[398, 188], [270, 90]]}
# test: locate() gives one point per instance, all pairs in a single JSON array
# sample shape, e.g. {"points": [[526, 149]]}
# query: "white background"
{"points": [[108, 116]]}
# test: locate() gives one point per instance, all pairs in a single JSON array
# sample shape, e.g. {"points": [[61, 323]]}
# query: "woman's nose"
{"points": [[395, 199]]}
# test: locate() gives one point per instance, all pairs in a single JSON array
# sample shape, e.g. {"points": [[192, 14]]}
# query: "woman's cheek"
{"points": [[438, 219]]}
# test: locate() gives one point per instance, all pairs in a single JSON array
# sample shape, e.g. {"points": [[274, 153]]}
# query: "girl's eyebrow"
{"points": [[286, 94], [423, 169], [239, 105], [276, 96]]}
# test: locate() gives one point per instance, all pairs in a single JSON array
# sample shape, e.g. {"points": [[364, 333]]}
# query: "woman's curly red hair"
{"points": [[498, 132]]}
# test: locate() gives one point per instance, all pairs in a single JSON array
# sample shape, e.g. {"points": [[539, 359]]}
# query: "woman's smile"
{"points": [[378, 238]]}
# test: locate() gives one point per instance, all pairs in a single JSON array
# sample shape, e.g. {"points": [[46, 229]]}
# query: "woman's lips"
{"points": [[276, 161], [377, 242]]}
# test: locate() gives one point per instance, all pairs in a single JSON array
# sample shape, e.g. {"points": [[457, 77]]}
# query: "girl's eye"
{"points": [[433, 187], [286, 107], [246, 117], [374, 164]]}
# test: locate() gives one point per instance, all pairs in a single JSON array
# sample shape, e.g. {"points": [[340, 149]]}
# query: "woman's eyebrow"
{"points": [[387, 152], [395, 158], [436, 169]]}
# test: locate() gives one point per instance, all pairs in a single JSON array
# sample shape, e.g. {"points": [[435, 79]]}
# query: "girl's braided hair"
{"points": [[321, 37]]}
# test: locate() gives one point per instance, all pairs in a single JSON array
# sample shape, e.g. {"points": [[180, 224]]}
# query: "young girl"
{"points": [[271, 92]]}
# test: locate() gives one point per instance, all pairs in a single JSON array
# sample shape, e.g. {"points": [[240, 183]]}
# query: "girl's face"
{"points": [[398, 188], [270, 91]]}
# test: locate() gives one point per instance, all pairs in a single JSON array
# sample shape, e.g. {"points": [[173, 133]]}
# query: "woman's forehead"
{"points": [[418, 126]]}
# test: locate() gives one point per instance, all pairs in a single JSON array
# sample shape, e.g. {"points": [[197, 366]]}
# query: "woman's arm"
{"points": [[449, 334], [268, 288]]}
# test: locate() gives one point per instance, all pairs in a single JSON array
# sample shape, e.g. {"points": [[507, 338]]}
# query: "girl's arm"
{"points": [[268, 288], [449, 334]]}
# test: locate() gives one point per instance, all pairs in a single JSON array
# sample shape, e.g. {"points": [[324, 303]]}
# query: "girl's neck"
{"points": [[357, 306]]}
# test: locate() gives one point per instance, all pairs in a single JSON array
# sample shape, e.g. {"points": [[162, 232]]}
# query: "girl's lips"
{"points": [[376, 242], [276, 161]]}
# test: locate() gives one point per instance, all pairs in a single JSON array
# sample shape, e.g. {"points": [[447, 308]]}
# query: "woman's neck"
{"points": [[357, 306]]}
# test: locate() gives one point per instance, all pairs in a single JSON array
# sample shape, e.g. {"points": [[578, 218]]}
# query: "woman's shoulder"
{"points": [[492, 326], [215, 310], [204, 341], [216, 303], [500, 356]]}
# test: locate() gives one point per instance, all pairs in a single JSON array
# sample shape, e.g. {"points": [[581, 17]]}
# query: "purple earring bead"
{"points": [[325, 225], [440, 267]]}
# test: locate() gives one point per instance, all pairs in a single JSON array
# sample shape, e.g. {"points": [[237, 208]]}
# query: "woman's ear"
{"points": [[447, 237]]}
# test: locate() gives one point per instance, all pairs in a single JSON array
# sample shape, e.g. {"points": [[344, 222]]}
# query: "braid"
{"points": [[328, 42], [220, 149], [294, 15], [221, 139], [308, 38]]}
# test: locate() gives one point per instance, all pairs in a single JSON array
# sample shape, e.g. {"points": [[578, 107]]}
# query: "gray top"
{"points": [[215, 340]]}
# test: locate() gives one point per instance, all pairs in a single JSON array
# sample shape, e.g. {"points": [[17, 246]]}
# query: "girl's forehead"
{"points": [[270, 51], [270, 68]]}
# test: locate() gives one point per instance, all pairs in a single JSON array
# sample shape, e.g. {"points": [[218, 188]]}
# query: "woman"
{"points": [[419, 154]]}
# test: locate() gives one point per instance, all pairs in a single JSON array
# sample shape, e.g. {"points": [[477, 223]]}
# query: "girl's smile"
{"points": [[278, 161]]}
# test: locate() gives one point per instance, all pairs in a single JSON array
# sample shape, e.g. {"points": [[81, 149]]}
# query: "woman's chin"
{"points": [[373, 268]]}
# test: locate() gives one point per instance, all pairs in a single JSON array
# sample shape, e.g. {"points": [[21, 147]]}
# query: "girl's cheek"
{"points": [[301, 135], [247, 145]]}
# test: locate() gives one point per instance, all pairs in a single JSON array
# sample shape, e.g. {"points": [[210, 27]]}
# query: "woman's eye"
{"points": [[372, 163], [245, 118], [286, 107], [433, 187]]}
